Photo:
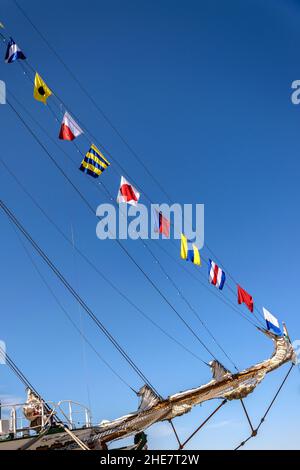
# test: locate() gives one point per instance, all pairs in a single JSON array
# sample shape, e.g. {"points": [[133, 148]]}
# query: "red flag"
{"points": [[244, 297]]}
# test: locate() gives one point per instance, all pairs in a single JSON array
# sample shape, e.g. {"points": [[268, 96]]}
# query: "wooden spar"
{"points": [[229, 386], [224, 386]]}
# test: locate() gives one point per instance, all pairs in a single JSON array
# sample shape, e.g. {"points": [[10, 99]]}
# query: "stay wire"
{"points": [[184, 299], [222, 298], [95, 268], [92, 138], [167, 275], [101, 145], [100, 110], [68, 316], [23, 379], [255, 431], [77, 297], [87, 94], [158, 290], [171, 280]]}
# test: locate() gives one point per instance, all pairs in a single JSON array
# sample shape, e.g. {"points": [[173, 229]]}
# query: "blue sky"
{"points": [[201, 90]]}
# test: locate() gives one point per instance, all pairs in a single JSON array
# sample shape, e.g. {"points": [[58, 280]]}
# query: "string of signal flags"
{"points": [[95, 163]]}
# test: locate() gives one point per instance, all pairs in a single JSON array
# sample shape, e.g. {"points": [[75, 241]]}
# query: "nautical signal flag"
{"points": [[272, 322], [127, 193], [41, 91], [13, 52], [244, 297], [69, 128], [189, 254], [94, 162], [216, 275], [162, 224]]}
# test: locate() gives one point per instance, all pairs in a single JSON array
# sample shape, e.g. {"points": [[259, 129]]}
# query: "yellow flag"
{"points": [[184, 247], [41, 91], [197, 259]]}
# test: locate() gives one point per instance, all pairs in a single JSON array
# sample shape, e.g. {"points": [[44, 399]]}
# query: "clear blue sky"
{"points": [[201, 90]]}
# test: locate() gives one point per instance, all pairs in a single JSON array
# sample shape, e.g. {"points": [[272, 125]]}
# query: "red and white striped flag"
{"points": [[127, 193], [69, 128]]}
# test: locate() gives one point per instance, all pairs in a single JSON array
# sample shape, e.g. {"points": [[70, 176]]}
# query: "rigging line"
{"points": [[255, 431], [87, 94], [81, 321], [101, 145], [17, 371], [179, 292], [221, 298], [202, 424], [145, 194], [158, 290], [104, 116], [65, 153], [223, 295], [107, 191], [68, 316], [170, 279], [247, 414], [19, 374], [190, 306], [36, 138], [26, 382], [235, 283], [227, 285], [26, 66], [96, 269], [201, 342], [86, 133], [255, 309], [77, 297], [144, 245]]}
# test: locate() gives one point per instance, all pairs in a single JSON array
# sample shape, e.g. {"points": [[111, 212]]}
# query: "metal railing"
{"points": [[73, 414]]}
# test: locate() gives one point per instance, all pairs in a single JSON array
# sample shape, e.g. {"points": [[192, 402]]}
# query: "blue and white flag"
{"points": [[13, 52], [272, 322]]}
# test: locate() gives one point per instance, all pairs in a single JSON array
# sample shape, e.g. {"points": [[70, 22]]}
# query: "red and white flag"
{"points": [[69, 128], [127, 193]]}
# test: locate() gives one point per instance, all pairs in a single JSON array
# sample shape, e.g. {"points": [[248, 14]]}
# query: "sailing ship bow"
{"points": [[224, 385]]}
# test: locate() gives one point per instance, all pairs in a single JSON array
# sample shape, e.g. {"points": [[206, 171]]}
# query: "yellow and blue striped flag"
{"points": [[189, 254], [94, 163]]}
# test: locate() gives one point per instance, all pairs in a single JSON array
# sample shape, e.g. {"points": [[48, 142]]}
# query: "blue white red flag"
{"points": [[216, 275]]}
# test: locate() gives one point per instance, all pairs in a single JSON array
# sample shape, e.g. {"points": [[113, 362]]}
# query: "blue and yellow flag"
{"points": [[94, 163], [189, 254]]}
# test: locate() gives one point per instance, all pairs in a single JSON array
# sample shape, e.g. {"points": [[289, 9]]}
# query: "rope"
{"points": [[77, 297], [68, 316], [103, 114], [23, 378], [158, 290], [96, 269], [202, 424], [116, 161], [169, 278], [255, 431], [214, 292]]}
